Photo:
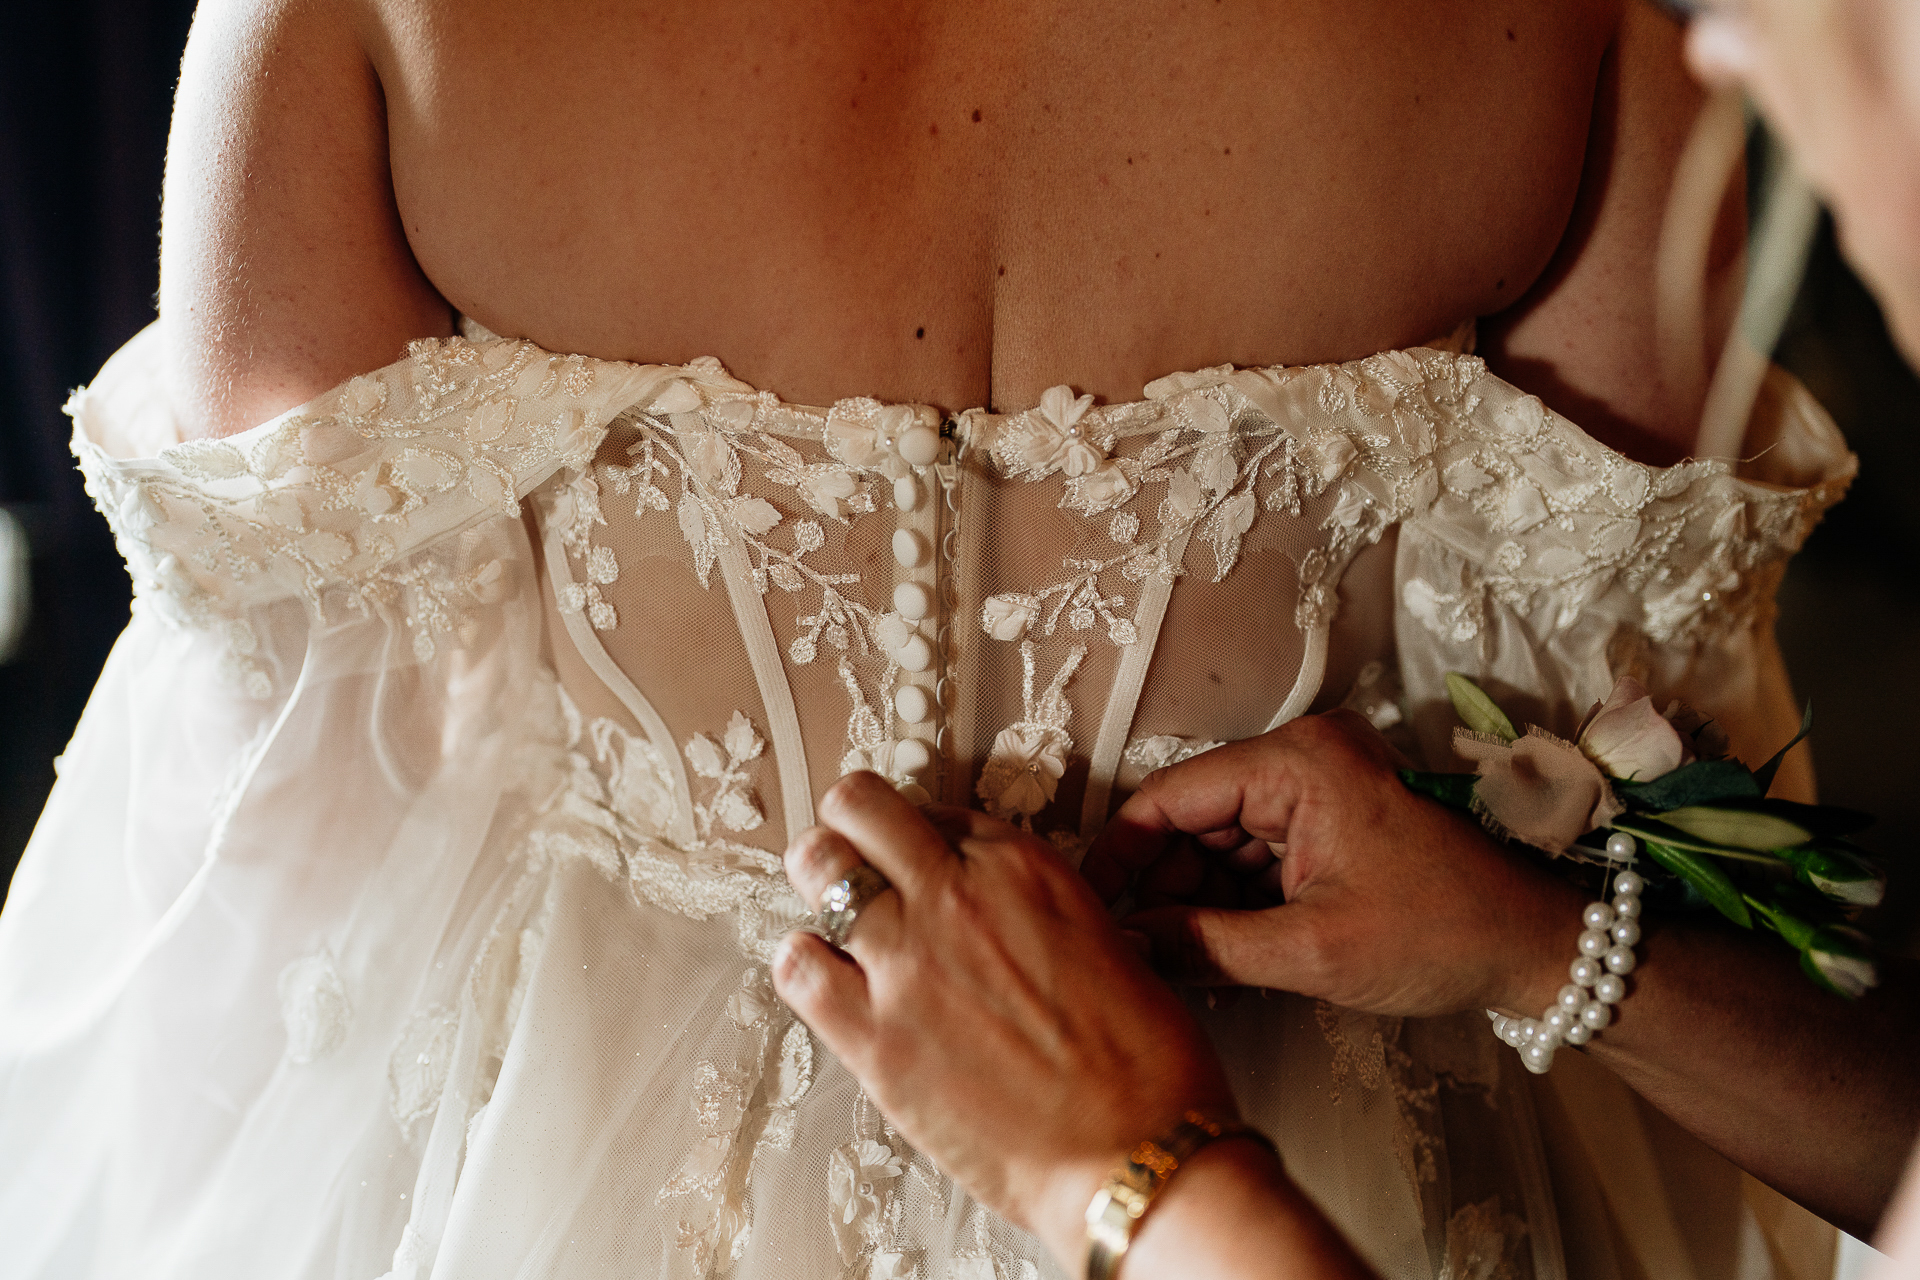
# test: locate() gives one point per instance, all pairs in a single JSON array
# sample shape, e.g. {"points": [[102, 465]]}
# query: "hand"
{"points": [[1393, 904], [990, 1007]]}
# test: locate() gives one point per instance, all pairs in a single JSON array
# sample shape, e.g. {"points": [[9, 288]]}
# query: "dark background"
{"points": [[85, 91]]}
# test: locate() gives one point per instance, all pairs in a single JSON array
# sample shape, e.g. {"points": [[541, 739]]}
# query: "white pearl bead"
{"points": [[913, 704], [1537, 1058], [1597, 1015], [1598, 915], [919, 445], [915, 655], [906, 493], [913, 600], [1509, 1032], [1620, 960], [910, 548], [1622, 846], [1572, 997], [1593, 943], [1579, 1033], [1626, 933], [1558, 1020], [911, 756], [1627, 907], [1585, 971], [1610, 989], [1548, 1038], [1629, 883]]}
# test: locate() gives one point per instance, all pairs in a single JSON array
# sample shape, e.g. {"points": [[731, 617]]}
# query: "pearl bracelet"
{"points": [[1585, 1005]]}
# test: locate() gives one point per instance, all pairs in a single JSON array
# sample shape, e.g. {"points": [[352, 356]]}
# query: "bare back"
{"points": [[954, 204]]}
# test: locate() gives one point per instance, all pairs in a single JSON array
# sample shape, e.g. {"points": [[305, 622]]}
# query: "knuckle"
{"points": [[816, 857]]}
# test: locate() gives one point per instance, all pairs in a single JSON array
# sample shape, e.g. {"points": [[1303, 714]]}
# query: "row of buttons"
{"points": [[901, 633]]}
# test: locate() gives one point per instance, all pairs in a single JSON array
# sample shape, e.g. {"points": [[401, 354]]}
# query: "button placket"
{"points": [[910, 632]]}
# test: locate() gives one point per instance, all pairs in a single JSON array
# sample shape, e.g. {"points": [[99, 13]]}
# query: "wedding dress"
{"points": [[404, 904]]}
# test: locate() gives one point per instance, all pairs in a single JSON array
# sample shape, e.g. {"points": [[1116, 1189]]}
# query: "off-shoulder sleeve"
{"points": [[333, 502], [1548, 564]]}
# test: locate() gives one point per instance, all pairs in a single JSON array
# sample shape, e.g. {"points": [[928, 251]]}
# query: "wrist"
{"points": [[1060, 1219], [1540, 923], [1131, 1188], [1232, 1180]]}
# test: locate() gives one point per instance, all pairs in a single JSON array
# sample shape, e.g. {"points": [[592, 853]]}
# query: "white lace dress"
{"points": [[405, 901]]}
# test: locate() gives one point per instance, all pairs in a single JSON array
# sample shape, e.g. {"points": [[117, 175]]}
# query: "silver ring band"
{"points": [[844, 900]]}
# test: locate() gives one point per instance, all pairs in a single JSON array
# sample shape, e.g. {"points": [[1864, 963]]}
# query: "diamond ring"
{"points": [[844, 900]]}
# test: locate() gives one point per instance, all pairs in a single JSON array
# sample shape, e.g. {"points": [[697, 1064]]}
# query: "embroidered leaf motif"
{"points": [[743, 743], [705, 757], [755, 515]]}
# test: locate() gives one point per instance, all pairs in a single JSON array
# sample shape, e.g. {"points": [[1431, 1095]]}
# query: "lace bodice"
{"points": [[466, 708], [1019, 610]]}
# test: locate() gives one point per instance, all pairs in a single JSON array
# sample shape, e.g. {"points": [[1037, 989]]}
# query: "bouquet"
{"points": [[1664, 782]]}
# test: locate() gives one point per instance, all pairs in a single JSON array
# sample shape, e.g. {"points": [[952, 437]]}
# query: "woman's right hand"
{"points": [[997, 1017], [991, 1008]]}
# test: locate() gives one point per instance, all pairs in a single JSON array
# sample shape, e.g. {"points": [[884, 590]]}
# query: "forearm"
{"points": [[1808, 1092], [1233, 1214]]}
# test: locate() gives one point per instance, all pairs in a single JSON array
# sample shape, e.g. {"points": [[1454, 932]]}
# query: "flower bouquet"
{"points": [[1638, 779]]}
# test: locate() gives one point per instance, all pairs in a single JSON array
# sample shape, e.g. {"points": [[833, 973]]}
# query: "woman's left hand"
{"points": [[1392, 904], [991, 1007]]}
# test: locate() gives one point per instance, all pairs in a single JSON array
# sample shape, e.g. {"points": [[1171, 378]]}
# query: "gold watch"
{"points": [[1114, 1214]]}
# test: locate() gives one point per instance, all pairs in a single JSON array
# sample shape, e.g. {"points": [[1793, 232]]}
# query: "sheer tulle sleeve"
{"points": [[295, 793]]}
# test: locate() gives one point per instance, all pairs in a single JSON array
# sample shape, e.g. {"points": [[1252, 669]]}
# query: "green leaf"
{"points": [[1701, 872], [1701, 782], [1782, 920], [1764, 774], [1737, 828], [1476, 710], [1455, 790]]}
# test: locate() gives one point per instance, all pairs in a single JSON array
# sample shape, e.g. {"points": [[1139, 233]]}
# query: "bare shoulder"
{"points": [[1583, 338], [284, 266]]}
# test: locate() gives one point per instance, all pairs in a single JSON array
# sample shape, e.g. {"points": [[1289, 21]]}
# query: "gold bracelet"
{"points": [[1117, 1207]]}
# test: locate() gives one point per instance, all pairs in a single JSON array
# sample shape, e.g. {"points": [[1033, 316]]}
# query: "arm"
{"points": [[284, 268], [1583, 337], [994, 1013], [1395, 905]]}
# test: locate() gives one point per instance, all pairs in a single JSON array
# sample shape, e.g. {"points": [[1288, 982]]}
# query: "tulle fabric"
{"points": [[372, 931]]}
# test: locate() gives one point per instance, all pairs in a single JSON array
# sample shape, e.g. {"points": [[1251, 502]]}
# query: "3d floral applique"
{"points": [[857, 1174], [1029, 757], [732, 806]]}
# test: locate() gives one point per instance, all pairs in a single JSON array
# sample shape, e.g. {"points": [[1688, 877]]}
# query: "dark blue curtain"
{"points": [[86, 87]]}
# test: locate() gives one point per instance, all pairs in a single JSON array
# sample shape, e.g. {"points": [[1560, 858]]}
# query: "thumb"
{"points": [[1208, 946]]}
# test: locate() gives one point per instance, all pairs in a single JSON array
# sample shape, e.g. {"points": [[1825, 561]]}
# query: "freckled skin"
{"points": [[1073, 192]]}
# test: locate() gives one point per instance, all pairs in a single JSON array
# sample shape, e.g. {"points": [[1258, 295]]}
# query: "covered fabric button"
{"points": [[919, 445], [913, 600], [911, 548]]}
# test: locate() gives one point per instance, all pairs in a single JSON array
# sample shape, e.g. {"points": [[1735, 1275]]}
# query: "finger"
{"points": [[828, 989], [1177, 875], [885, 829], [1207, 794], [1250, 857], [1204, 946], [817, 858]]}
